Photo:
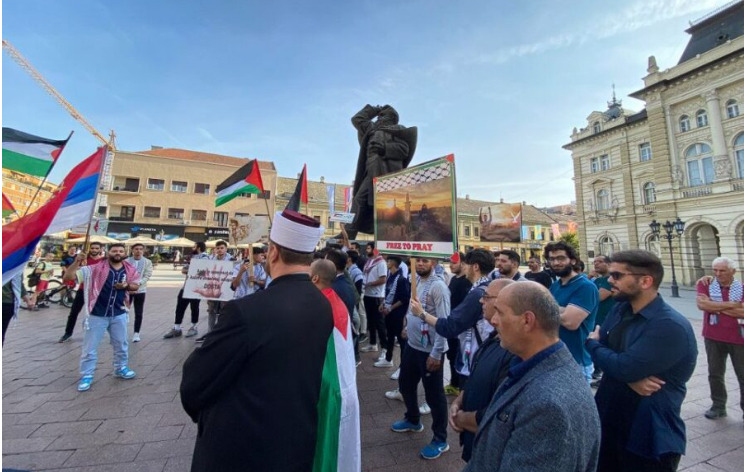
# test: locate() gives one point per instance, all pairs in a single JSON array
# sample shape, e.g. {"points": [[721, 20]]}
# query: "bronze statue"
{"points": [[385, 147]]}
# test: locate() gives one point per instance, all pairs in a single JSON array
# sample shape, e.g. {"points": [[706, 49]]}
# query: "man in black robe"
{"points": [[254, 384], [385, 147]]}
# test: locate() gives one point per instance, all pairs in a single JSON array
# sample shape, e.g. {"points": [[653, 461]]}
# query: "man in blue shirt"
{"points": [[647, 352], [578, 299]]}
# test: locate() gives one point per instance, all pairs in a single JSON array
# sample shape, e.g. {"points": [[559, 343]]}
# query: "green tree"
{"points": [[570, 238]]}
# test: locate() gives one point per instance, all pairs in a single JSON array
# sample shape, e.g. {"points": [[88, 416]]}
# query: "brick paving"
{"points": [[139, 424]]}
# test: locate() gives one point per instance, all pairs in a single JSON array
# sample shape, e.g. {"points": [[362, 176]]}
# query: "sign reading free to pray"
{"points": [[209, 280]]}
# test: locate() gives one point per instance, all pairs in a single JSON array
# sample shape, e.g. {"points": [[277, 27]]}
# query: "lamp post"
{"points": [[678, 226]]}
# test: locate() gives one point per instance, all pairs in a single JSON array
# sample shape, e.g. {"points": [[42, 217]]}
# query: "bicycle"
{"points": [[57, 292]]}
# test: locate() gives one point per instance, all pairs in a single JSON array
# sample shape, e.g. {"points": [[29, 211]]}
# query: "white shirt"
{"points": [[374, 271]]}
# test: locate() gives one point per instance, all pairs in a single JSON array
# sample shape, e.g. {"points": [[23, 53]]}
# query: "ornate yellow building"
{"points": [[20, 188], [679, 157]]}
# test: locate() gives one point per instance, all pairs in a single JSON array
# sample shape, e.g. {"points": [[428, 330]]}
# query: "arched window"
{"points": [[701, 118], [699, 164], [603, 199], [738, 151], [607, 246], [597, 127], [731, 107], [650, 196], [684, 123]]}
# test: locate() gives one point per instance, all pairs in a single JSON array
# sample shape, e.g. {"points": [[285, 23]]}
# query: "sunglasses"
{"points": [[619, 275]]}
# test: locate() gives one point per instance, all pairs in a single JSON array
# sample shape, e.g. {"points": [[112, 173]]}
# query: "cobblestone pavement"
{"points": [[139, 424]]}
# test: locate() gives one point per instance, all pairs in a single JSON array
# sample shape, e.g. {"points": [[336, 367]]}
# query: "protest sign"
{"points": [[209, 280], [501, 223], [342, 217], [247, 229], [415, 210]]}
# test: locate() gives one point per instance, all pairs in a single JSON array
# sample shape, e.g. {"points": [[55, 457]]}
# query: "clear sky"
{"points": [[499, 84]]}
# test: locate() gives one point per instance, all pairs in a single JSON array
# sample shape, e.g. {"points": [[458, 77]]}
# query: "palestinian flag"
{"points": [[338, 435], [246, 179], [7, 207], [30, 154], [301, 191]]}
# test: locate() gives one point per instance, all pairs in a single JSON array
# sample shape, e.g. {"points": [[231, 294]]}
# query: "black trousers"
{"points": [[182, 305], [376, 323], [138, 300], [615, 458], [413, 369], [457, 379], [74, 311], [394, 324], [8, 311]]}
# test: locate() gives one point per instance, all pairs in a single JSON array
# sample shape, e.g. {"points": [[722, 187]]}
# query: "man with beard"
{"points": [[536, 273], [507, 263], [578, 298], [95, 256], [647, 352], [385, 146], [106, 287], [374, 291]]}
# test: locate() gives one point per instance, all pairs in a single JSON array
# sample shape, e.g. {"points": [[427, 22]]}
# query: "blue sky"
{"points": [[499, 84]]}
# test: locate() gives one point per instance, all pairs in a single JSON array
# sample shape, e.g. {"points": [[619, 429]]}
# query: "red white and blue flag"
{"points": [[71, 205]]}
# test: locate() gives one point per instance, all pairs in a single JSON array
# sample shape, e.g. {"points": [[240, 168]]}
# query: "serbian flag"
{"points": [[7, 207], [338, 435], [347, 199], [20, 238], [30, 154], [246, 179], [301, 191]]}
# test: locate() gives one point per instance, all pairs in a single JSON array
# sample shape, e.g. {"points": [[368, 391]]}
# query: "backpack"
{"points": [[33, 279]]}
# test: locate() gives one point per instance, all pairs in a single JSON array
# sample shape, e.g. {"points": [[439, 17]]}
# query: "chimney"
{"points": [[467, 197], [323, 179], [524, 203], [154, 148], [501, 200]]}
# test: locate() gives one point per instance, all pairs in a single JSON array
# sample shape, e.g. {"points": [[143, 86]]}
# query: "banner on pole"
{"points": [[247, 229], [501, 223]]}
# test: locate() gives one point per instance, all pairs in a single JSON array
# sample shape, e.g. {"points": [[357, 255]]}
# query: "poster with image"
{"points": [[209, 280], [247, 229], [415, 210], [501, 223]]}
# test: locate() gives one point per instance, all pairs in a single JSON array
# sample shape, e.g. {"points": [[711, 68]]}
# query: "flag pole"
{"points": [[46, 175], [96, 198]]}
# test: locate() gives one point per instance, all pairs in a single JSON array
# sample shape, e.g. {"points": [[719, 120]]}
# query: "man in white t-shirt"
{"points": [[374, 291]]}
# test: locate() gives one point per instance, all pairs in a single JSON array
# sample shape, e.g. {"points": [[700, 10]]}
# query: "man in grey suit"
{"points": [[543, 417]]}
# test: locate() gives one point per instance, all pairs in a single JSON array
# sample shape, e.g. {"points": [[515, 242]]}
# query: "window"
{"points": [[102, 211], [152, 212], [738, 151], [476, 231], [127, 212], [594, 165], [597, 127], [201, 188], [175, 213], [645, 152], [198, 215], [607, 246], [604, 162], [732, 108], [466, 231], [241, 215], [178, 186], [603, 199], [701, 118], [684, 123], [650, 196], [155, 184], [220, 218], [699, 164]]}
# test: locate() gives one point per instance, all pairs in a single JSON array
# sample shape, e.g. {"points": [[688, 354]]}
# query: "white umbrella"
{"points": [[94, 238], [178, 242], [145, 240]]}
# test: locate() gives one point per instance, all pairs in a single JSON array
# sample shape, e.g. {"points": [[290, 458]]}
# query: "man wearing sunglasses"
{"points": [[647, 352], [578, 298]]}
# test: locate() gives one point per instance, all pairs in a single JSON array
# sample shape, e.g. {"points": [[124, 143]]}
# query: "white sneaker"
{"points": [[424, 408], [394, 395], [383, 363], [136, 337], [369, 348], [383, 355], [395, 375]]}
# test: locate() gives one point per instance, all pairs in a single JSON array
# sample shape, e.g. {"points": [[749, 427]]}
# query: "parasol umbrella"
{"points": [[94, 238], [145, 240], [178, 242]]}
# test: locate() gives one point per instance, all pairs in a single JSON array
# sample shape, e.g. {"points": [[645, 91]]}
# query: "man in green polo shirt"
{"points": [[602, 268]]}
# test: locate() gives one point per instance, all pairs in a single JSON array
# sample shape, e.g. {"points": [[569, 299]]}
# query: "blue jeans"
{"points": [[588, 370], [117, 327]]}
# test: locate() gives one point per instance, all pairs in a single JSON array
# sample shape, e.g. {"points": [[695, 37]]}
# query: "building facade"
{"points": [[679, 157], [20, 188], [170, 193]]}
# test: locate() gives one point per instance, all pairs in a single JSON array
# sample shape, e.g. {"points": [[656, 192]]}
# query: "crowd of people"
{"points": [[524, 351]]}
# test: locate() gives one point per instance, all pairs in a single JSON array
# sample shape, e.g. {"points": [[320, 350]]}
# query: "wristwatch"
{"points": [[422, 316]]}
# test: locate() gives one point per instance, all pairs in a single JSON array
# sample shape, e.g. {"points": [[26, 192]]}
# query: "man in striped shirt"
{"points": [[249, 279]]}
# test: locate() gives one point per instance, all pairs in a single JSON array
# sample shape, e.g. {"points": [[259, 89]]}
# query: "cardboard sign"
{"points": [[247, 229], [501, 223], [415, 210], [209, 280]]}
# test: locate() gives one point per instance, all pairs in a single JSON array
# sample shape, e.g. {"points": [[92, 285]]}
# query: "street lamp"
{"points": [[669, 226]]}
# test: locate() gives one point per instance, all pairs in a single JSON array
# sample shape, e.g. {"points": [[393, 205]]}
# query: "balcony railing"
{"points": [[125, 188], [649, 209], [121, 218], [694, 192], [738, 185]]}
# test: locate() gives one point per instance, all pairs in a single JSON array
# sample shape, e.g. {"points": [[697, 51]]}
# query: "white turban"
{"points": [[295, 231]]}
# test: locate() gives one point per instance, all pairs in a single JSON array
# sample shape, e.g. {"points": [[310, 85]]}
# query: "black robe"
{"points": [[253, 385]]}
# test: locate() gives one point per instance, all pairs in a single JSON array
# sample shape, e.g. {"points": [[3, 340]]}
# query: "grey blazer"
{"points": [[547, 421]]}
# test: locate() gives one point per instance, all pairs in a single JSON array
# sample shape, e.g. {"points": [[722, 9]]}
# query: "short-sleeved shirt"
{"points": [[374, 273], [605, 305], [111, 301], [582, 293], [726, 329], [44, 267], [541, 277]]}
